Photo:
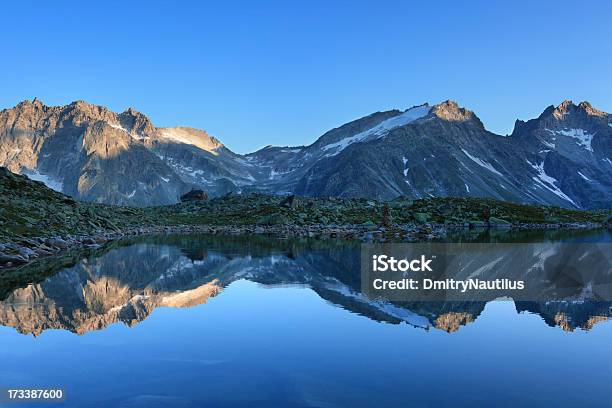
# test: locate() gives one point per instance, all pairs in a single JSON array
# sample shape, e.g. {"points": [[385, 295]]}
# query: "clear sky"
{"points": [[254, 73]]}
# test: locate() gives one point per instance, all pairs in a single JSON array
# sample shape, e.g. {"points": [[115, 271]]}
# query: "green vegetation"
{"points": [[30, 209], [261, 209]]}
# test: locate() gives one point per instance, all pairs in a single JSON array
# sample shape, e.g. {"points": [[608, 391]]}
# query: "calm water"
{"points": [[233, 322]]}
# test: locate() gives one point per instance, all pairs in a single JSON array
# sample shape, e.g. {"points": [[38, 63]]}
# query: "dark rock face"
{"points": [[562, 158], [291, 202], [194, 195]]}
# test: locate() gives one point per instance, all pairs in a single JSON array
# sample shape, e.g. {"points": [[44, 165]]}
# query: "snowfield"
{"points": [[48, 181], [482, 163], [548, 182], [380, 130], [583, 138]]}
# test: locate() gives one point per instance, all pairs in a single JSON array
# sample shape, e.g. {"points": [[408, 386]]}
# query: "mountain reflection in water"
{"points": [[128, 281]]}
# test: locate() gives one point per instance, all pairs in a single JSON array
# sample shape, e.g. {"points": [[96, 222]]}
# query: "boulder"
{"points": [[13, 259], [194, 195], [291, 202], [477, 224], [498, 222], [57, 242]]}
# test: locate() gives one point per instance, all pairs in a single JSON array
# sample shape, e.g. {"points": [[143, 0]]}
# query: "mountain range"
{"points": [[561, 158]]}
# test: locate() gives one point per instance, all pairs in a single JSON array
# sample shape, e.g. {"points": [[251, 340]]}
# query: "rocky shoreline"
{"points": [[24, 250], [37, 222]]}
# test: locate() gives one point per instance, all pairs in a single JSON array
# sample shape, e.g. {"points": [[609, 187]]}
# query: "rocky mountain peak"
{"points": [[590, 110], [37, 102], [566, 115], [563, 108], [85, 106], [567, 107], [34, 104], [82, 111], [135, 121], [450, 110]]}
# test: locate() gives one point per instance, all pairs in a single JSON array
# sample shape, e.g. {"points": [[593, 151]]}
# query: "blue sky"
{"points": [[282, 73]]}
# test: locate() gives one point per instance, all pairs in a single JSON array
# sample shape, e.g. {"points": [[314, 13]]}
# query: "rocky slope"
{"points": [[36, 222], [29, 208], [562, 158], [556, 159], [93, 154]]}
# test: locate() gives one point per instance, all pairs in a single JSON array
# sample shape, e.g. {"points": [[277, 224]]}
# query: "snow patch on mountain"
{"points": [[405, 161], [583, 138], [46, 180], [379, 130], [548, 144], [190, 137], [584, 177], [185, 170], [117, 126], [548, 182], [482, 163]]}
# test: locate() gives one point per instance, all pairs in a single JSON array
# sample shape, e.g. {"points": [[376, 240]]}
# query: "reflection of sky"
{"points": [[288, 347]]}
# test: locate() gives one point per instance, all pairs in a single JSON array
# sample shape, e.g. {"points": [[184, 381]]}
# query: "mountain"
{"points": [[561, 158], [93, 154], [446, 151]]}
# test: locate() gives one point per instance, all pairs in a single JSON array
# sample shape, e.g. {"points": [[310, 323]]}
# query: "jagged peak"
{"points": [[87, 110], [37, 103], [133, 112], [560, 111], [450, 110], [80, 103], [590, 110], [135, 121], [568, 106]]}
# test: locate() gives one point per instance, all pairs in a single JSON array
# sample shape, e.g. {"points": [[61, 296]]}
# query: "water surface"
{"points": [[205, 321]]}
